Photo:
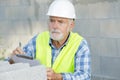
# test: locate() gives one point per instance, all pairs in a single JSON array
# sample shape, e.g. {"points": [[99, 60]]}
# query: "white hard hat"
{"points": [[62, 8]]}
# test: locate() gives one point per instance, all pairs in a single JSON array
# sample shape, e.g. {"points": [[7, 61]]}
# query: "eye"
{"points": [[51, 20], [60, 21]]}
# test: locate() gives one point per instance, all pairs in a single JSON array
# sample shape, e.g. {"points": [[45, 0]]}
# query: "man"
{"points": [[65, 54]]}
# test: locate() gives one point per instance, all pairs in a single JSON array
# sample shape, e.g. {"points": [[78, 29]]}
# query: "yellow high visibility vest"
{"points": [[65, 60]]}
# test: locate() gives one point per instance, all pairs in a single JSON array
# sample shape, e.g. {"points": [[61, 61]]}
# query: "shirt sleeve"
{"points": [[82, 64], [30, 47]]}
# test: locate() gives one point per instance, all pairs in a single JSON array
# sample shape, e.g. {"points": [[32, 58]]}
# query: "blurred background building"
{"points": [[97, 20]]}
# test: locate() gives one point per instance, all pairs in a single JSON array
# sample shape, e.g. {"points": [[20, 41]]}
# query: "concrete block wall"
{"points": [[20, 20], [97, 20]]}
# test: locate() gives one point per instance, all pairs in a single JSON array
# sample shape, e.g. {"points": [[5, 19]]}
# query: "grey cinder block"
{"points": [[31, 73], [4, 63], [13, 67]]}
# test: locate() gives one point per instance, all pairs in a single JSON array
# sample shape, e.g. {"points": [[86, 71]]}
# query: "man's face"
{"points": [[59, 28]]}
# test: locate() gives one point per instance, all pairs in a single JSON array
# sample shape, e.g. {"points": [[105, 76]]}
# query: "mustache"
{"points": [[55, 31]]}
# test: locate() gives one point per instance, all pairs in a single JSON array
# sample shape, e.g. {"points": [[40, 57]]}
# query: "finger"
{"points": [[49, 69], [15, 52], [49, 78], [19, 50], [49, 73]]}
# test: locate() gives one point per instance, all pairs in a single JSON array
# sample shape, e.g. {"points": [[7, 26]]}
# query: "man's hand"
{"points": [[51, 75], [18, 50]]}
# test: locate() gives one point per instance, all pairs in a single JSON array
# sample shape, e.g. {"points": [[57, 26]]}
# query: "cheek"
{"points": [[49, 27], [64, 31], [67, 29]]}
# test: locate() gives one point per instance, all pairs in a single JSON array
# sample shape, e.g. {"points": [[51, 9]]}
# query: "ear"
{"points": [[72, 24]]}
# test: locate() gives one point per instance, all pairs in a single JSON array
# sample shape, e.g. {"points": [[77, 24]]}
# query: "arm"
{"points": [[30, 47], [82, 64]]}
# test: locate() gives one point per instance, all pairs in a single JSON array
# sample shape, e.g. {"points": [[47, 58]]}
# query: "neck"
{"points": [[58, 44]]}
